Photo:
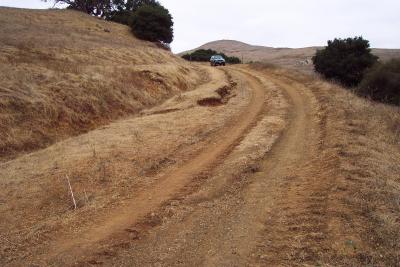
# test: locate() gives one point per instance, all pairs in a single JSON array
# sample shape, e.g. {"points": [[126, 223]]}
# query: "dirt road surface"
{"points": [[232, 173]]}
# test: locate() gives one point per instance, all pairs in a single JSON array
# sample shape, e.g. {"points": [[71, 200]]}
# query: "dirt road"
{"points": [[272, 216], [249, 187]]}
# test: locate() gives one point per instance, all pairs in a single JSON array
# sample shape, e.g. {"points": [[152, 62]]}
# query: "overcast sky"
{"points": [[278, 23]]}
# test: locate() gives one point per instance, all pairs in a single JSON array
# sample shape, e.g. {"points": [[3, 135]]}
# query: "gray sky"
{"points": [[278, 23]]}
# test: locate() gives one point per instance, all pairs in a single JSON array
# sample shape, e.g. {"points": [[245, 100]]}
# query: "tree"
{"points": [[98, 8], [345, 60], [123, 10], [133, 5], [153, 23], [116, 10], [382, 82]]}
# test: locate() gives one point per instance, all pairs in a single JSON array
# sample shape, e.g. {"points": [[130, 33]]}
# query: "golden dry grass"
{"points": [[63, 80], [106, 166], [366, 137], [63, 73], [364, 208]]}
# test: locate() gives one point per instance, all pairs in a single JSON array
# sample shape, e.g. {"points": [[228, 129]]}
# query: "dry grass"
{"points": [[63, 73], [108, 165], [365, 199], [365, 135]]}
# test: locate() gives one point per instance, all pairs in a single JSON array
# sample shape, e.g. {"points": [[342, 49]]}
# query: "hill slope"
{"points": [[64, 73], [285, 57]]}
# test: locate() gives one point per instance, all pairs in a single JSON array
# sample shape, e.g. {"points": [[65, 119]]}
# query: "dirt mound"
{"points": [[64, 73], [223, 95]]}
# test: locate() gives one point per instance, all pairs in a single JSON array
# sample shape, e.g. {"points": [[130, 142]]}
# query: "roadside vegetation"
{"points": [[204, 55], [345, 60], [351, 63], [153, 23], [382, 83]]}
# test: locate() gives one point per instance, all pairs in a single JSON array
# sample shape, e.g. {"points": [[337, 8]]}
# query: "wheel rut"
{"points": [[274, 216], [277, 216], [75, 249]]}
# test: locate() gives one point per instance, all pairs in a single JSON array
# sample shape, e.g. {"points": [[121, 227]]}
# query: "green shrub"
{"points": [[122, 17], [153, 23], [203, 55], [123, 11], [233, 60], [345, 60], [382, 82]]}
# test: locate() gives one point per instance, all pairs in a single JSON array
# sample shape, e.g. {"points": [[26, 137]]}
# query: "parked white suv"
{"points": [[217, 60]]}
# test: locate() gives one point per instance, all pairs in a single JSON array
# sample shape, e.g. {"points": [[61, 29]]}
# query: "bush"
{"points": [[382, 82], [203, 55], [153, 23], [345, 60], [122, 17], [124, 10]]}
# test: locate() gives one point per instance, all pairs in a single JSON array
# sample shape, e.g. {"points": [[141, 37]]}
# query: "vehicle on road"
{"points": [[217, 60]]}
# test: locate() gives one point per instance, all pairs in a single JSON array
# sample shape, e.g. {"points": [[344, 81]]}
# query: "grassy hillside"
{"points": [[63, 73]]}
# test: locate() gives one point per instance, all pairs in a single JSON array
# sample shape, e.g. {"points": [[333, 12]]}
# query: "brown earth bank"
{"points": [[294, 58], [63, 73]]}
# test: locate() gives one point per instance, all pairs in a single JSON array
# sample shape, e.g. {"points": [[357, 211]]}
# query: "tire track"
{"points": [[70, 250], [273, 217], [252, 220], [297, 228]]}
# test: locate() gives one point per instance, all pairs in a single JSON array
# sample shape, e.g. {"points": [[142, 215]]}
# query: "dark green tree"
{"points": [[123, 10], [120, 11], [153, 23], [345, 60], [98, 8]]}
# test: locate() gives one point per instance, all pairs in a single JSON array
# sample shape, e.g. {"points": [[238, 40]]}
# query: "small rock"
{"points": [[133, 233]]}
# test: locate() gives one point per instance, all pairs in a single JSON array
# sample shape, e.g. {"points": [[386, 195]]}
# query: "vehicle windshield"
{"points": [[217, 57]]}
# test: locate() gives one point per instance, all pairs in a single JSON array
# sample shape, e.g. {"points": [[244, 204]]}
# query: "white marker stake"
{"points": [[72, 193]]}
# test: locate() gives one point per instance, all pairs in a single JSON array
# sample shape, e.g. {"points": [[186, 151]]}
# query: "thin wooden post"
{"points": [[86, 197], [72, 193]]}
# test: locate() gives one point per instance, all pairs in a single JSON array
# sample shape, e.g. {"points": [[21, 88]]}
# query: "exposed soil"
{"points": [[258, 180]]}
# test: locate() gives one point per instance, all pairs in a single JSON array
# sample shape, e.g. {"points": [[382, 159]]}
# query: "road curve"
{"points": [[269, 218], [72, 249]]}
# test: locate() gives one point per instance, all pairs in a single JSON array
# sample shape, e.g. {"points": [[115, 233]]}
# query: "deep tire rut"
{"points": [[272, 214], [297, 228], [75, 249], [275, 216]]}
